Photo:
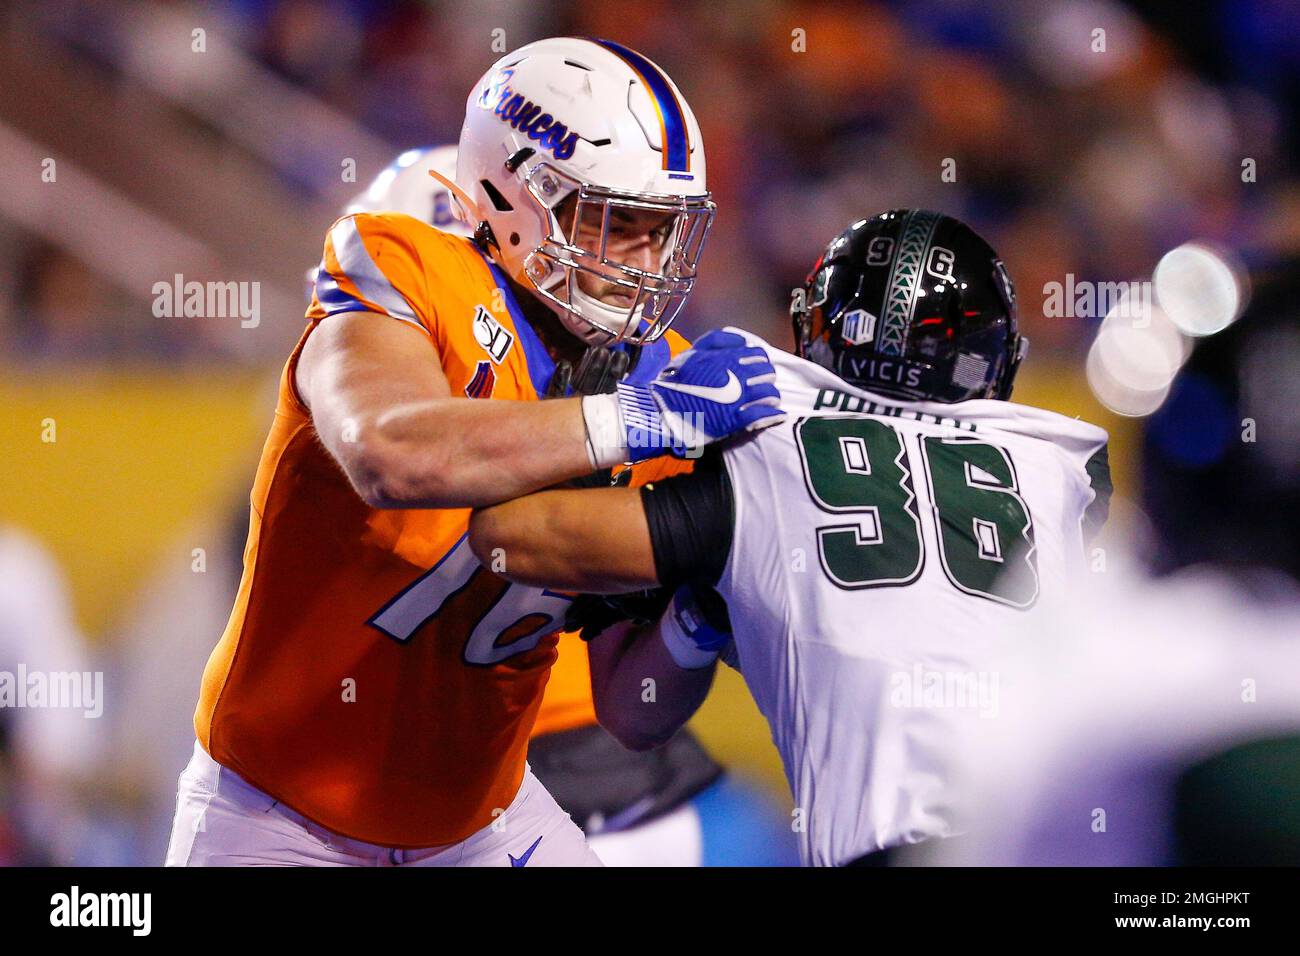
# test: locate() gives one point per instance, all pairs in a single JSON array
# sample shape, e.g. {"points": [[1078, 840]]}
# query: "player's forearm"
{"points": [[453, 453], [641, 695], [594, 541]]}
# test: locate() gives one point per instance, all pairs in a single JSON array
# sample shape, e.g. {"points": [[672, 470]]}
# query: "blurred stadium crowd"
{"points": [[1072, 161], [226, 155]]}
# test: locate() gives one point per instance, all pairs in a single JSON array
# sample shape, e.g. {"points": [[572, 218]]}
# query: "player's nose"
{"points": [[642, 255]]}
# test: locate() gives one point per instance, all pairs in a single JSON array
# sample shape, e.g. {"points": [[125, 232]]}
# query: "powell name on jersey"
{"points": [[882, 548]]}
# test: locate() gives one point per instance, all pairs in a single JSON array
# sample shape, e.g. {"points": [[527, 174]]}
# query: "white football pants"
{"points": [[221, 820]]}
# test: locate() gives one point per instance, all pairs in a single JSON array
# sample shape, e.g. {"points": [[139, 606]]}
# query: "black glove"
{"points": [[591, 614], [599, 370]]}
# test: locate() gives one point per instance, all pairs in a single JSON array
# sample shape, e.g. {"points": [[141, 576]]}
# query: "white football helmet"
{"points": [[570, 116], [406, 186]]}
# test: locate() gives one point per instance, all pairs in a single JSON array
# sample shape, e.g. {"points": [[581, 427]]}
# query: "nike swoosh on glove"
{"points": [[720, 387]]}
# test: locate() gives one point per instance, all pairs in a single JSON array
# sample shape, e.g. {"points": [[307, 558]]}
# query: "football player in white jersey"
{"points": [[872, 550]]}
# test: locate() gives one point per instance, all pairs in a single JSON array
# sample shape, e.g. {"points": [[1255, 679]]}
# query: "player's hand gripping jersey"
{"points": [[373, 676], [882, 549]]}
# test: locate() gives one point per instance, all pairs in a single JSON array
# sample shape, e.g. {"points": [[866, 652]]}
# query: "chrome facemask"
{"points": [[655, 297]]}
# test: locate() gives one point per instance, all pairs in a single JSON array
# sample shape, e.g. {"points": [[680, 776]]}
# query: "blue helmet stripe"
{"points": [[676, 145]]}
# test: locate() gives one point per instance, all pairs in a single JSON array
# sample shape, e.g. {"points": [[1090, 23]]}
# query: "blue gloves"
{"points": [[719, 387]]}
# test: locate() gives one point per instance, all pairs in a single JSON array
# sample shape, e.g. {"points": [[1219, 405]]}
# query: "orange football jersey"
{"points": [[373, 676]]}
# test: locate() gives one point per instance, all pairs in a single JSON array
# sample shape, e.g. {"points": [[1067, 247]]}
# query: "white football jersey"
{"points": [[882, 550]]}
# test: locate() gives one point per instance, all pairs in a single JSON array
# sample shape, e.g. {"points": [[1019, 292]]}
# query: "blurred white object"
{"points": [[1198, 290], [39, 634], [1202, 289], [51, 702], [1133, 361]]}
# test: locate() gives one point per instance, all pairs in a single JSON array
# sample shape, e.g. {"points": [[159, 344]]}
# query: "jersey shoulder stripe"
{"points": [[373, 263], [395, 265]]}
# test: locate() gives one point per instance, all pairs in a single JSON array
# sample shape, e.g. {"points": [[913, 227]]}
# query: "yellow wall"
{"points": [[136, 456]]}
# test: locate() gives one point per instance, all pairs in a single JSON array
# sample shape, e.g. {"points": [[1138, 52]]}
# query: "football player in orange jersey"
{"points": [[672, 806], [371, 698]]}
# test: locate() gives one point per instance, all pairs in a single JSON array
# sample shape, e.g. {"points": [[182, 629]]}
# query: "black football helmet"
{"points": [[912, 304]]}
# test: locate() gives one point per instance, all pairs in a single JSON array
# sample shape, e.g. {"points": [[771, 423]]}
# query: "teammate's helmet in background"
{"points": [[912, 304], [570, 116], [406, 186]]}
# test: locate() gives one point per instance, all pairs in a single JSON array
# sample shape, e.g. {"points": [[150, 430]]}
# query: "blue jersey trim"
{"points": [[541, 367], [676, 148]]}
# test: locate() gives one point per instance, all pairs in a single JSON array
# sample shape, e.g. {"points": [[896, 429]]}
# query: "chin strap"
{"points": [[1009, 375], [485, 239]]}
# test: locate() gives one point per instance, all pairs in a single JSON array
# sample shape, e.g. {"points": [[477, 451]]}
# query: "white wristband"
{"points": [[606, 436], [685, 653]]}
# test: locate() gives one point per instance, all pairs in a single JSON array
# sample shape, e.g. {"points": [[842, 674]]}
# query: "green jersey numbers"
{"points": [[986, 537], [859, 469]]}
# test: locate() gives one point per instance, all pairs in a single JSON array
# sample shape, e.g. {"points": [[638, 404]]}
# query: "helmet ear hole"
{"points": [[499, 202]]}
